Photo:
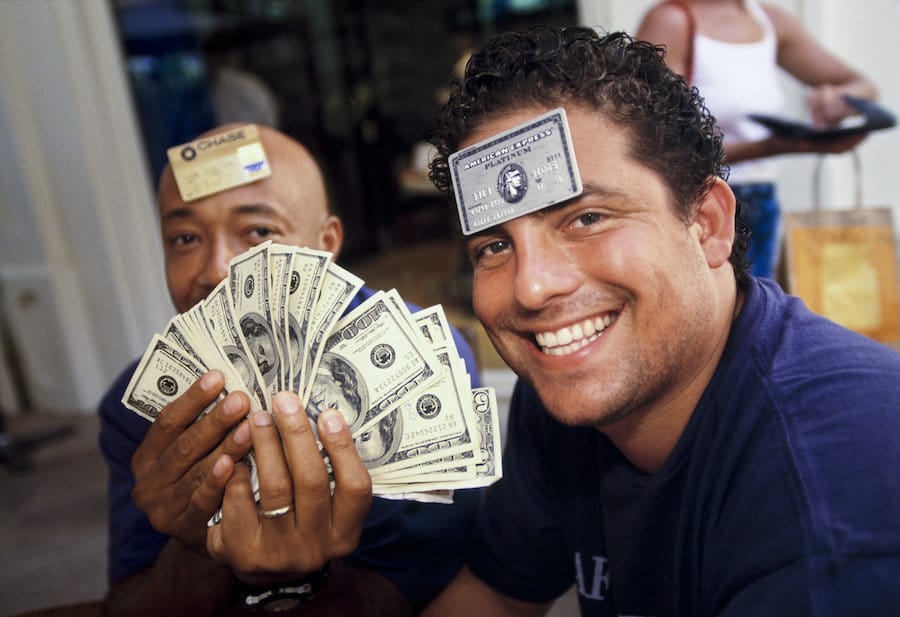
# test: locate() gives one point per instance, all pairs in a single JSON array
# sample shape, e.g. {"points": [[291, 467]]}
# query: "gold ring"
{"points": [[275, 513]]}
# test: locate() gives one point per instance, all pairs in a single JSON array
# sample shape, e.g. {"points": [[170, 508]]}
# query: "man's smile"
{"points": [[572, 338]]}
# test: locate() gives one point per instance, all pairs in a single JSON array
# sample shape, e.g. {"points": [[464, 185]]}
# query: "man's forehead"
{"points": [[217, 208], [538, 153]]}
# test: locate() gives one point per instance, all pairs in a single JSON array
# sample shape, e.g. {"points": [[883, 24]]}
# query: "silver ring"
{"points": [[275, 513]]}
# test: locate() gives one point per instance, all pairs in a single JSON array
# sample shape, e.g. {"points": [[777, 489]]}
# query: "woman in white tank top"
{"points": [[731, 50]]}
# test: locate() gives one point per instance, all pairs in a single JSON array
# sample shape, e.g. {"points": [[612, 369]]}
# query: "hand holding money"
{"points": [[182, 466], [313, 525], [276, 324]]}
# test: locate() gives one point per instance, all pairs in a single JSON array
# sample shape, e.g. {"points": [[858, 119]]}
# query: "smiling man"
{"points": [[684, 439]]}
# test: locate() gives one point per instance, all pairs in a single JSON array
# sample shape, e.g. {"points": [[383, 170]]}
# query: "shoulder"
{"points": [[791, 335], [786, 26], [822, 380], [804, 363], [663, 22], [668, 15], [804, 422]]}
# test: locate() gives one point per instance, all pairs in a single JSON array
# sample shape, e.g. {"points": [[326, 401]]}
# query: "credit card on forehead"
{"points": [[218, 162], [527, 168]]}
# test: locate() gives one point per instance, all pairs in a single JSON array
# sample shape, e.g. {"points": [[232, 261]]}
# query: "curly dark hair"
{"points": [[624, 79]]}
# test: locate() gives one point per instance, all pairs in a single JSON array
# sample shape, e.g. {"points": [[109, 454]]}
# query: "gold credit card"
{"points": [[219, 162], [527, 168]]}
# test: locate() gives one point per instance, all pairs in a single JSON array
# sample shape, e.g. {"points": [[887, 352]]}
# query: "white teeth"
{"points": [[572, 338], [546, 339], [589, 328]]}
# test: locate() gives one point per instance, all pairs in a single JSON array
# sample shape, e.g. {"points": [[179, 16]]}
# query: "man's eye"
{"points": [[493, 248], [588, 218], [488, 253], [179, 240], [262, 232]]}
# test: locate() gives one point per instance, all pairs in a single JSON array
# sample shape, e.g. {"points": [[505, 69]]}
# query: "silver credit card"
{"points": [[529, 167]]}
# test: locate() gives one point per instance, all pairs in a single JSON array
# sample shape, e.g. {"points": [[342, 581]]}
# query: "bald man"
{"points": [[167, 477]]}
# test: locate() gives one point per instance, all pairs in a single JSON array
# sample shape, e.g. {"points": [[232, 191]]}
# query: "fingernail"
{"points": [[232, 405], [242, 434], [262, 418], [333, 421], [220, 467], [286, 403], [211, 380]]}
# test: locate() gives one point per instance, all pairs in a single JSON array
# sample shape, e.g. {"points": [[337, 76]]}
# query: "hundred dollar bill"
{"points": [[440, 496], [193, 328], [428, 474], [280, 259], [458, 466], [432, 323], [371, 360], [489, 471], [527, 168], [218, 314], [191, 332], [174, 333], [163, 374], [446, 468], [337, 289], [484, 404], [249, 286], [307, 269], [430, 425]]}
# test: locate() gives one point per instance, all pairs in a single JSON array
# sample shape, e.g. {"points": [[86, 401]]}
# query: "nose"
{"points": [[217, 258], [544, 270]]}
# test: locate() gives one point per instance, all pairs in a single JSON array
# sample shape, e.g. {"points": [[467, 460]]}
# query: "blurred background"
{"points": [[94, 91]]}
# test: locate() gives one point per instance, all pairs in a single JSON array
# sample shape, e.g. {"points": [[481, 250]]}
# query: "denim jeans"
{"points": [[764, 222]]}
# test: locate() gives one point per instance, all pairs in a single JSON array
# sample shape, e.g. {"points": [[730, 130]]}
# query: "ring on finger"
{"points": [[275, 513]]}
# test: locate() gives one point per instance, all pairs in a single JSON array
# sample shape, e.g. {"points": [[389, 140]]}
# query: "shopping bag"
{"points": [[843, 263]]}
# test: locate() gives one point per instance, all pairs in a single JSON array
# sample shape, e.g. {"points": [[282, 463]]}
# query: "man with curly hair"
{"points": [[684, 439]]}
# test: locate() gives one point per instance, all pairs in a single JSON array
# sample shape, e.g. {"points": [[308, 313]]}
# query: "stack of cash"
{"points": [[277, 323]]}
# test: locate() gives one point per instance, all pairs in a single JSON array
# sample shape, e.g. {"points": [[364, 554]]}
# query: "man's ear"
{"points": [[331, 235], [715, 221]]}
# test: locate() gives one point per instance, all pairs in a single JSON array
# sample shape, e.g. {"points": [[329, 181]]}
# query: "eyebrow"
{"points": [[187, 212]]}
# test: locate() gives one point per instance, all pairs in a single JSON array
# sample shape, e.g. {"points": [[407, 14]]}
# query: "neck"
{"points": [[648, 435]]}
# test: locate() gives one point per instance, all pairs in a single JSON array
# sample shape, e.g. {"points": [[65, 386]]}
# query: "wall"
{"points": [[81, 291]]}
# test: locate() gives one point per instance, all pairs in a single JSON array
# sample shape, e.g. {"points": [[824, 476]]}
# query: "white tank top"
{"points": [[736, 79]]}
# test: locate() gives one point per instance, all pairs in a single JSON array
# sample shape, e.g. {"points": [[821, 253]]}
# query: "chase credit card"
{"points": [[219, 162]]}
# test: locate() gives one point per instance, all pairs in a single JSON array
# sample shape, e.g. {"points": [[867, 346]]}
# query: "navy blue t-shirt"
{"points": [[418, 546], [782, 496]]}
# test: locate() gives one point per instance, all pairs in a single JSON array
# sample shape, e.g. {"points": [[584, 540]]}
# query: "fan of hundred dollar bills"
{"points": [[276, 324]]}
